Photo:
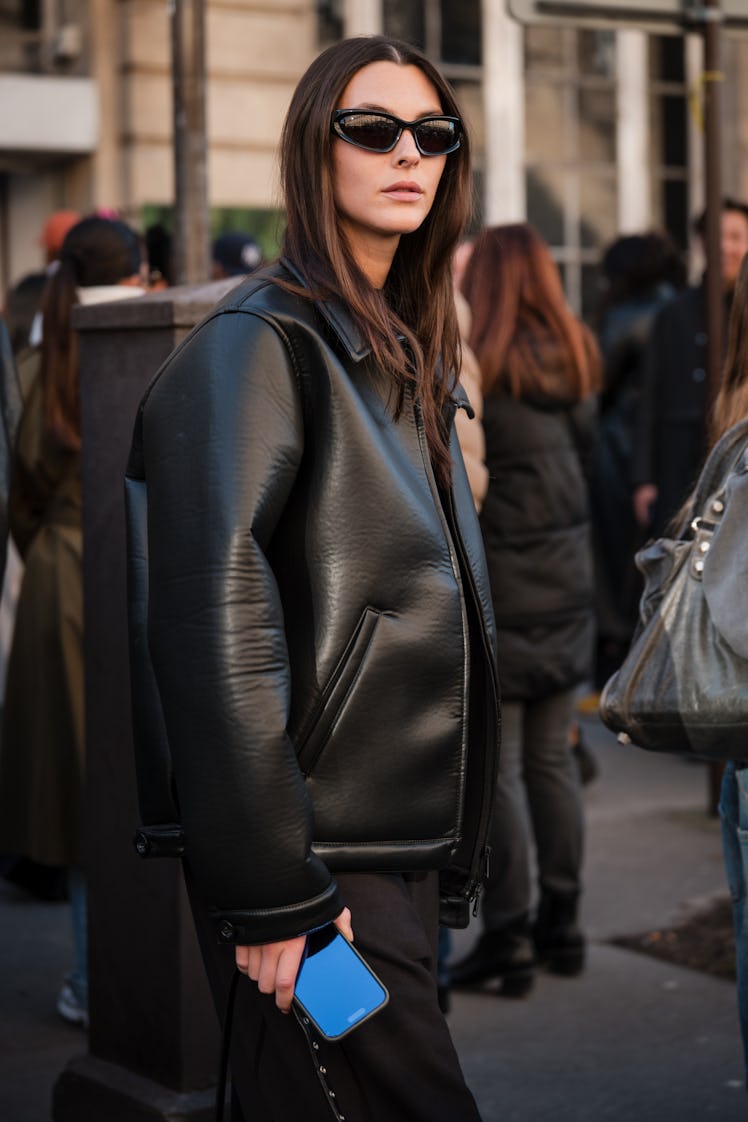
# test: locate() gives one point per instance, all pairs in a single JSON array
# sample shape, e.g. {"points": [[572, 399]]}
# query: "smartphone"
{"points": [[335, 987]]}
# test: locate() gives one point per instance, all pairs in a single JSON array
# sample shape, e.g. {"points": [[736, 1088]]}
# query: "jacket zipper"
{"points": [[479, 867], [481, 853]]}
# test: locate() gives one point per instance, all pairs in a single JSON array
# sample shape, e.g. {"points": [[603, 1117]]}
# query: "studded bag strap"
{"points": [[225, 1048], [313, 1045], [319, 1067]]}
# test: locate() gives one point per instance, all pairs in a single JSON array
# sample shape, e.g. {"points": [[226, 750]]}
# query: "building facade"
{"points": [[586, 133]]}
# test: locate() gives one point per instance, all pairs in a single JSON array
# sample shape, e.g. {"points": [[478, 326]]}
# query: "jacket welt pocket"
{"points": [[321, 723]]}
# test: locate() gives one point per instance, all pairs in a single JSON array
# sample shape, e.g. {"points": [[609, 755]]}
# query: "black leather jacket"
{"points": [[312, 641]]}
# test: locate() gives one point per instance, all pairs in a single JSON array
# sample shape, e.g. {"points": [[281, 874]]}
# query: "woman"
{"points": [[43, 751], [540, 371], [315, 700], [731, 406]]}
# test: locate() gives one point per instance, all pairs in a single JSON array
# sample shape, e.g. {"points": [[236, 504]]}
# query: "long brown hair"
{"points": [[416, 303], [519, 310], [96, 251], [731, 402]]}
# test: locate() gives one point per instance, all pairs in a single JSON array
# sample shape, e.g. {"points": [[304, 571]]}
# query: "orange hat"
{"points": [[55, 229]]}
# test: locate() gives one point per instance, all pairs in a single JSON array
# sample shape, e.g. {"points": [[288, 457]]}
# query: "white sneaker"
{"points": [[69, 1008]]}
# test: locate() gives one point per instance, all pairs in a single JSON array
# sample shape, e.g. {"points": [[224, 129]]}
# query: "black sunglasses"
{"points": [[377, 131]]}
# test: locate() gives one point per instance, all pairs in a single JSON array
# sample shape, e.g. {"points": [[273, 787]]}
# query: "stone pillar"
{"points": [[632, 109], [696, 163], [153, 1042], [735, 101], [504, 109], [362, 17]]}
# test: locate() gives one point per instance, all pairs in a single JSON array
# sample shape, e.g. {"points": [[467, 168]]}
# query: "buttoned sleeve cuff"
{"points": [[247, 927]]}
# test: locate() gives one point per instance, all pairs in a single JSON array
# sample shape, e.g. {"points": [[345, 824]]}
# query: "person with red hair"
{"points": [[54, 231], [540, 371]]}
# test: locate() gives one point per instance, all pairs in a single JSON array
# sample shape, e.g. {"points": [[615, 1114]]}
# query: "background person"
{"points": [[234, 255], [54, 231], [160, 257], [317, 593], [675, 403], [540, 369], [42, 761], [641, 274]]}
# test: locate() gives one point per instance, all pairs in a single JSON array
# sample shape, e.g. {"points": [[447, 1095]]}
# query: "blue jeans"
{"points": [[78, 978], [733, 812]]}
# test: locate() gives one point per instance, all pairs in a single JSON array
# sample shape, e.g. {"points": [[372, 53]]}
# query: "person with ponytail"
{"points": [[42, 762], [315, 701], [540, 372]]}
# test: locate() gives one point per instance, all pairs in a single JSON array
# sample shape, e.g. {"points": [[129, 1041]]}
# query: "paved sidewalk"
{"points": [[632, 1040]]}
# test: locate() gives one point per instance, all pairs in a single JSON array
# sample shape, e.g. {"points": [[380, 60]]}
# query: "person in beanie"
{"points": [[235, 255]]}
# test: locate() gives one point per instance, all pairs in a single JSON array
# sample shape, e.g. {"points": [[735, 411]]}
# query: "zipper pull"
{"points": [[485, 871]]}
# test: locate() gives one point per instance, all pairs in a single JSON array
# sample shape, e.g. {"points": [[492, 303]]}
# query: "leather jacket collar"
{"points": [[337, 316]]}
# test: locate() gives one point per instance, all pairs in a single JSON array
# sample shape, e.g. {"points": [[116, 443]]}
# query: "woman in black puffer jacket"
{"points": [[541, 370]]}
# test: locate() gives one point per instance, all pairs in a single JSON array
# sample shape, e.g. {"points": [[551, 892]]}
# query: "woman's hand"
{"points": [[274, 966], [645, 496]]}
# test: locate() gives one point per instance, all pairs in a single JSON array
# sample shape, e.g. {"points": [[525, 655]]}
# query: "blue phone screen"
{"points": [[335, 986]]}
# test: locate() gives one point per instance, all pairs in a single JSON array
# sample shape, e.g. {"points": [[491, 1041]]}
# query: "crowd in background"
{"points": [[89, 259], [581, 441]]}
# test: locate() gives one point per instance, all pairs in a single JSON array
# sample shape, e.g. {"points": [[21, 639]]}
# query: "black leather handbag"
{"points": [[683, 686]]}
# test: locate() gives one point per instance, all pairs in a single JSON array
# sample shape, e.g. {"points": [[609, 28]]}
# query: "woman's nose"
{"points": [[406, 150]]}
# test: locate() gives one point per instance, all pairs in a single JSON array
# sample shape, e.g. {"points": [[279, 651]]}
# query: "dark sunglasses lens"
{"points": [[370, 131], [435, 137]]}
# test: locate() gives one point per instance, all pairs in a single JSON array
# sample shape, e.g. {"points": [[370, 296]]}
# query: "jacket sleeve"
{"points": [[223, 440]]}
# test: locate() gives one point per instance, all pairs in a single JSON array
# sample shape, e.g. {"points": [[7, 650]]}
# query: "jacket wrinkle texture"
{"points": [[304, 610]]}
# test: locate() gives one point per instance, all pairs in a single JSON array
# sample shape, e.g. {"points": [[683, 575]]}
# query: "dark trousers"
{"points": [[400, 1066]]}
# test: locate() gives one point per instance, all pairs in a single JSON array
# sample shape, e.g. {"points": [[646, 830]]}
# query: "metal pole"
{"points": [[191, 217]]}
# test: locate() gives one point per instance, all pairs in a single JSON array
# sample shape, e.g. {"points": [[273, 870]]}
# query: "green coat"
{"points": [[42, 760]]}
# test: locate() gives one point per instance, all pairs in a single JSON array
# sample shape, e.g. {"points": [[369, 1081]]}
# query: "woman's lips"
{"points": [[404, 191]]}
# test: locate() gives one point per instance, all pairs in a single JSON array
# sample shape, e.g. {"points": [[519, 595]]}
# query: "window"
{"points": [[460, 33], [329, 22], [405, 21], [669, 136], [449, 31], [571, 174], [38, 36]]}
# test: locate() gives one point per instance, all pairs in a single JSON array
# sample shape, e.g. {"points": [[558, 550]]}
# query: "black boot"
{"points": [[586, 763], [505, 957], [559, 942]]}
